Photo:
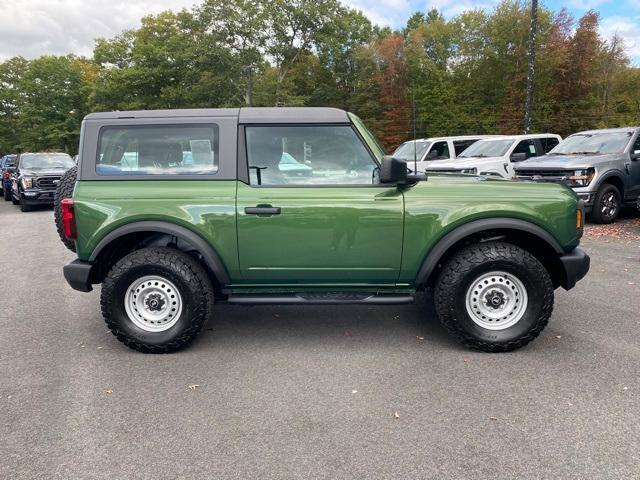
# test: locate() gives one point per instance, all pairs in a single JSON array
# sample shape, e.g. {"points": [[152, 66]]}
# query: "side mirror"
{"points": [[518, 157], [393, 170]]}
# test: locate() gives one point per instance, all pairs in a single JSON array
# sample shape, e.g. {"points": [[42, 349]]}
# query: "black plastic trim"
{"points": [[78, 275], [297, 299], [211, 257], [477, 226], [575, 266]]}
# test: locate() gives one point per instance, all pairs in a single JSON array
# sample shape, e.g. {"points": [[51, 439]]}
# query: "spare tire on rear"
{"points": [[64, 190]]}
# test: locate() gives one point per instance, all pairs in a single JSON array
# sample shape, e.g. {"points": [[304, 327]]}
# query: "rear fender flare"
{"points": [[210, 256]]}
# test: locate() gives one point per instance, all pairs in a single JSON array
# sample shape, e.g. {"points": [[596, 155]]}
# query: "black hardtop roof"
{"points": [[244, 115]]}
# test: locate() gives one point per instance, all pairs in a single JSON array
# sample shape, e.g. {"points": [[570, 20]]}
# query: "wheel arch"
{"points": [[614, 178], [125, 239], [524, 234]]}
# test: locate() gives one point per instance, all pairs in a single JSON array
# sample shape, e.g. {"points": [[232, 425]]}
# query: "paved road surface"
{"points": [[289, 392]]}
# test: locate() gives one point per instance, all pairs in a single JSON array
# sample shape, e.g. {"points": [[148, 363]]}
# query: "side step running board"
{"points": [[320, 299]]}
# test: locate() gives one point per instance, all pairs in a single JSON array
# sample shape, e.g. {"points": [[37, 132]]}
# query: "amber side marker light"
{"points": [[579, 223]]}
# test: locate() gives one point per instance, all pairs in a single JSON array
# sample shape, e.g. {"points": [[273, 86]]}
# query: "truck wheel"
{"points": [[494, 297], [24, 207], [156, 300], [7, 194], [14, 201], [64, 190], [606, 205]]}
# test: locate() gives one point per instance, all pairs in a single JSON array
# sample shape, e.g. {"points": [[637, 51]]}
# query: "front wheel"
{"points": [[494, 297], [606, 205], [156, 300], [7, 194]]}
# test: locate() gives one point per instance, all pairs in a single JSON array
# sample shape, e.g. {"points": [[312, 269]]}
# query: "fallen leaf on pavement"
{"points": [[493, 418], [396, 415], [354, 391], [108, 392], [194, 386], [420, 338]]}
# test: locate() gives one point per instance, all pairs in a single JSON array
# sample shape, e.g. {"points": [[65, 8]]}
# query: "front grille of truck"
{"points": [[48, 183], [558, 176]]}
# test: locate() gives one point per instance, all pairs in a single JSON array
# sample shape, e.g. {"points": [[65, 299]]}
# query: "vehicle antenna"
{"points": [[413, 106]]}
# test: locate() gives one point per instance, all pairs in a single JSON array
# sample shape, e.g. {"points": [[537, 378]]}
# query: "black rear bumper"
{"points": [[575, 266], [78, 275]]}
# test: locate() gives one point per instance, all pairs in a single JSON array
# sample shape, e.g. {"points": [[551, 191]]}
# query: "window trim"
{"points": [[157, 176], [243, 157]]}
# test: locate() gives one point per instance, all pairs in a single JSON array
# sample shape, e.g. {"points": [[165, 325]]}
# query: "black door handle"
{"points": [[262, 210]]}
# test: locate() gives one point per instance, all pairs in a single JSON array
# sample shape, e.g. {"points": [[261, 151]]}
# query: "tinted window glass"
{"points": [[158, 150], [527, 147], [439, 151], [636, 145], [549, 143], [317, 155], [461, 145]]}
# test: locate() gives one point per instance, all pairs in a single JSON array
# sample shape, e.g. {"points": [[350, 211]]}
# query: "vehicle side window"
{"points": [[527, 147], [548, 143], [439, 151], [636, 145], [461, 145], [158, 150], [307, 155]]}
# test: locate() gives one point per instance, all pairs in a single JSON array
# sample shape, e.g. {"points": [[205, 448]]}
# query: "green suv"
{"points": [[174, 211]]}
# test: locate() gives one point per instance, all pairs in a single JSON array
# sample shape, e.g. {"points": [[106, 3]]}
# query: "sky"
{"points": [[34, 27]]}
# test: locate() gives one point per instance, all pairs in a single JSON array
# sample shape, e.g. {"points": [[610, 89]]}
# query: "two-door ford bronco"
{"points": [[173, 211]]}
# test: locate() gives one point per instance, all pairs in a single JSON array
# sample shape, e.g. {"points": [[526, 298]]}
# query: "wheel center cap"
{"points": [[155, 302], [494, 300]]}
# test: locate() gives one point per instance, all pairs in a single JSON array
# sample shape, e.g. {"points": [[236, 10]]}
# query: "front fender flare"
{"points": [[477, 226]]}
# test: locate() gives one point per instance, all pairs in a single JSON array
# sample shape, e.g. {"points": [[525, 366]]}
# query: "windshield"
{"points": [[46, 160], [487, 148], [406, 150], [593, 143]]}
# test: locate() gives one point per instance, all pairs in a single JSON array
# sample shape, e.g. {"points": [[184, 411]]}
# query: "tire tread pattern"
{"points": [[182, 264], [470, 258], [64, 190]]}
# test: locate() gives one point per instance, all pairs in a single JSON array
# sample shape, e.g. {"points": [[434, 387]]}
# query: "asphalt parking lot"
{"points": [[316, 392]]}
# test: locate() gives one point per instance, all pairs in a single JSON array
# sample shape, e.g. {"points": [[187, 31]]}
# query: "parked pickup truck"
{"points": [[175, 210], [498, 156], [602, 167], [421, 153]]}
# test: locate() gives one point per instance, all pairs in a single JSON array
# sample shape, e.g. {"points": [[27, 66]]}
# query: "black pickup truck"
{"points": [[36, 177]]}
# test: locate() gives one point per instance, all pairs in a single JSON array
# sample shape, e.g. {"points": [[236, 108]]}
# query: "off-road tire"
{"points": [[64, 190], [189, 277], [596, 212], [7, 194], [13, 200], [465, 267]]}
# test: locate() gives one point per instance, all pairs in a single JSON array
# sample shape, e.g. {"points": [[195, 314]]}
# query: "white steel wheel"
{"points": [[496, 300], [153, 303]]}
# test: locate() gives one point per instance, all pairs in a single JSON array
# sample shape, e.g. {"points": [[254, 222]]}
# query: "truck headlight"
{"points": [[27, 182], [471, 171], [581, 178]]}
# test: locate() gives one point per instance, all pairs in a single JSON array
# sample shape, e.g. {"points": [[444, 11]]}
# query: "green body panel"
{"points": [[334, 235], [437, 206], [367, 238], [203, 206]]}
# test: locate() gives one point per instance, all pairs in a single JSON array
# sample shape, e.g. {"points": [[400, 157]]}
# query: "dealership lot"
{"points": [[322, 392]]}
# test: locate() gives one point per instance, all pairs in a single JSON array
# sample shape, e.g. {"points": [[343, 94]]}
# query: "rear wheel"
{"points": [[156, 300], [7, 194], [494, 297], [606, 205]]}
